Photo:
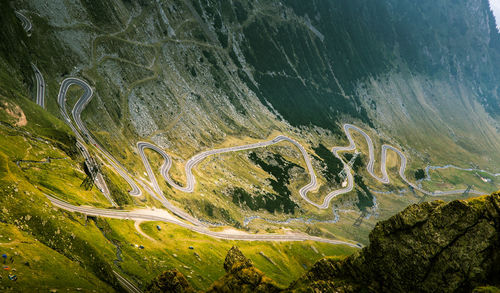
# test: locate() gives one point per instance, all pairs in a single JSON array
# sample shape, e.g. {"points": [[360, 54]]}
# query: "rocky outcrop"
{"points": [[170, 281], [242, 276], [235, 260], [433, 246], [428, 247]]}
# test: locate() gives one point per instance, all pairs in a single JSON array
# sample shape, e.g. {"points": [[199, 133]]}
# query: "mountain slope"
{"points": [[191, 76]]}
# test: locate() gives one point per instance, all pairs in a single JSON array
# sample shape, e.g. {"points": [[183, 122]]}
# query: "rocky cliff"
{"points": [[431, 247]]}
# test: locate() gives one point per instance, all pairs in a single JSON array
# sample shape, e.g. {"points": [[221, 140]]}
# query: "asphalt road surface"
{"points": [[141, 216], [126, 284], [76, 113], [40, 100], [157, 193], [24, 21], [40, 86], [385, 177]]}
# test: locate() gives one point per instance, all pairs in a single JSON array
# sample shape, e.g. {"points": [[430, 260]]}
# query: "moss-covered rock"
{"points": [[430, 247], [170, 281], [427, 247], [235, 260], [242, 276]]}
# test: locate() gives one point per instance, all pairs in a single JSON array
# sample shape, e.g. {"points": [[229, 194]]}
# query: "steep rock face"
{"points": [[202, 69], [427, 247]]}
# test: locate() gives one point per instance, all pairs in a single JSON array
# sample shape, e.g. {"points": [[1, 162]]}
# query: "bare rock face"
{"points": [[242, 276], [170, 281], [430, 247]]}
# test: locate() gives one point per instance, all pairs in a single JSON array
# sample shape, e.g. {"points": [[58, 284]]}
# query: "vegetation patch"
{"points": [[420, 174], [279, 168], [32, 266], [268, 201], [332, 165], [365, 197], [219, 213], [358, 162]]}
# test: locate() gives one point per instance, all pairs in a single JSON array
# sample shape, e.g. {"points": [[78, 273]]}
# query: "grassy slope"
{"points": [[38, 267], [63, 180], [68, 243], [111, 105]]}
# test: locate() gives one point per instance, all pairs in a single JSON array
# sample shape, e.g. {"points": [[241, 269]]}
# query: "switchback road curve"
{"points": [[76, 112], [24, 21], [385, 177], [61, 100]]}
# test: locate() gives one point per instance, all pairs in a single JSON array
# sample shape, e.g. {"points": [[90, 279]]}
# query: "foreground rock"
{"points": [[428, 247], [242, 276], [170, 281]]}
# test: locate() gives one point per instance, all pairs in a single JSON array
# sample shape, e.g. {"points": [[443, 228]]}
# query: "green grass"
{"points": [[487, 289], [62, 176], [107, 117], [81, 247]]}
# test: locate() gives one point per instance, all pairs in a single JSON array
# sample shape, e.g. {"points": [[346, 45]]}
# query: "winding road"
{"points": [[40, 86], [383, 169], [76, 113], [196, 159], [193, 224], [24, 21], [227, 235], [40, 82], [99, 180], [40, 100], [61, 100]]}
